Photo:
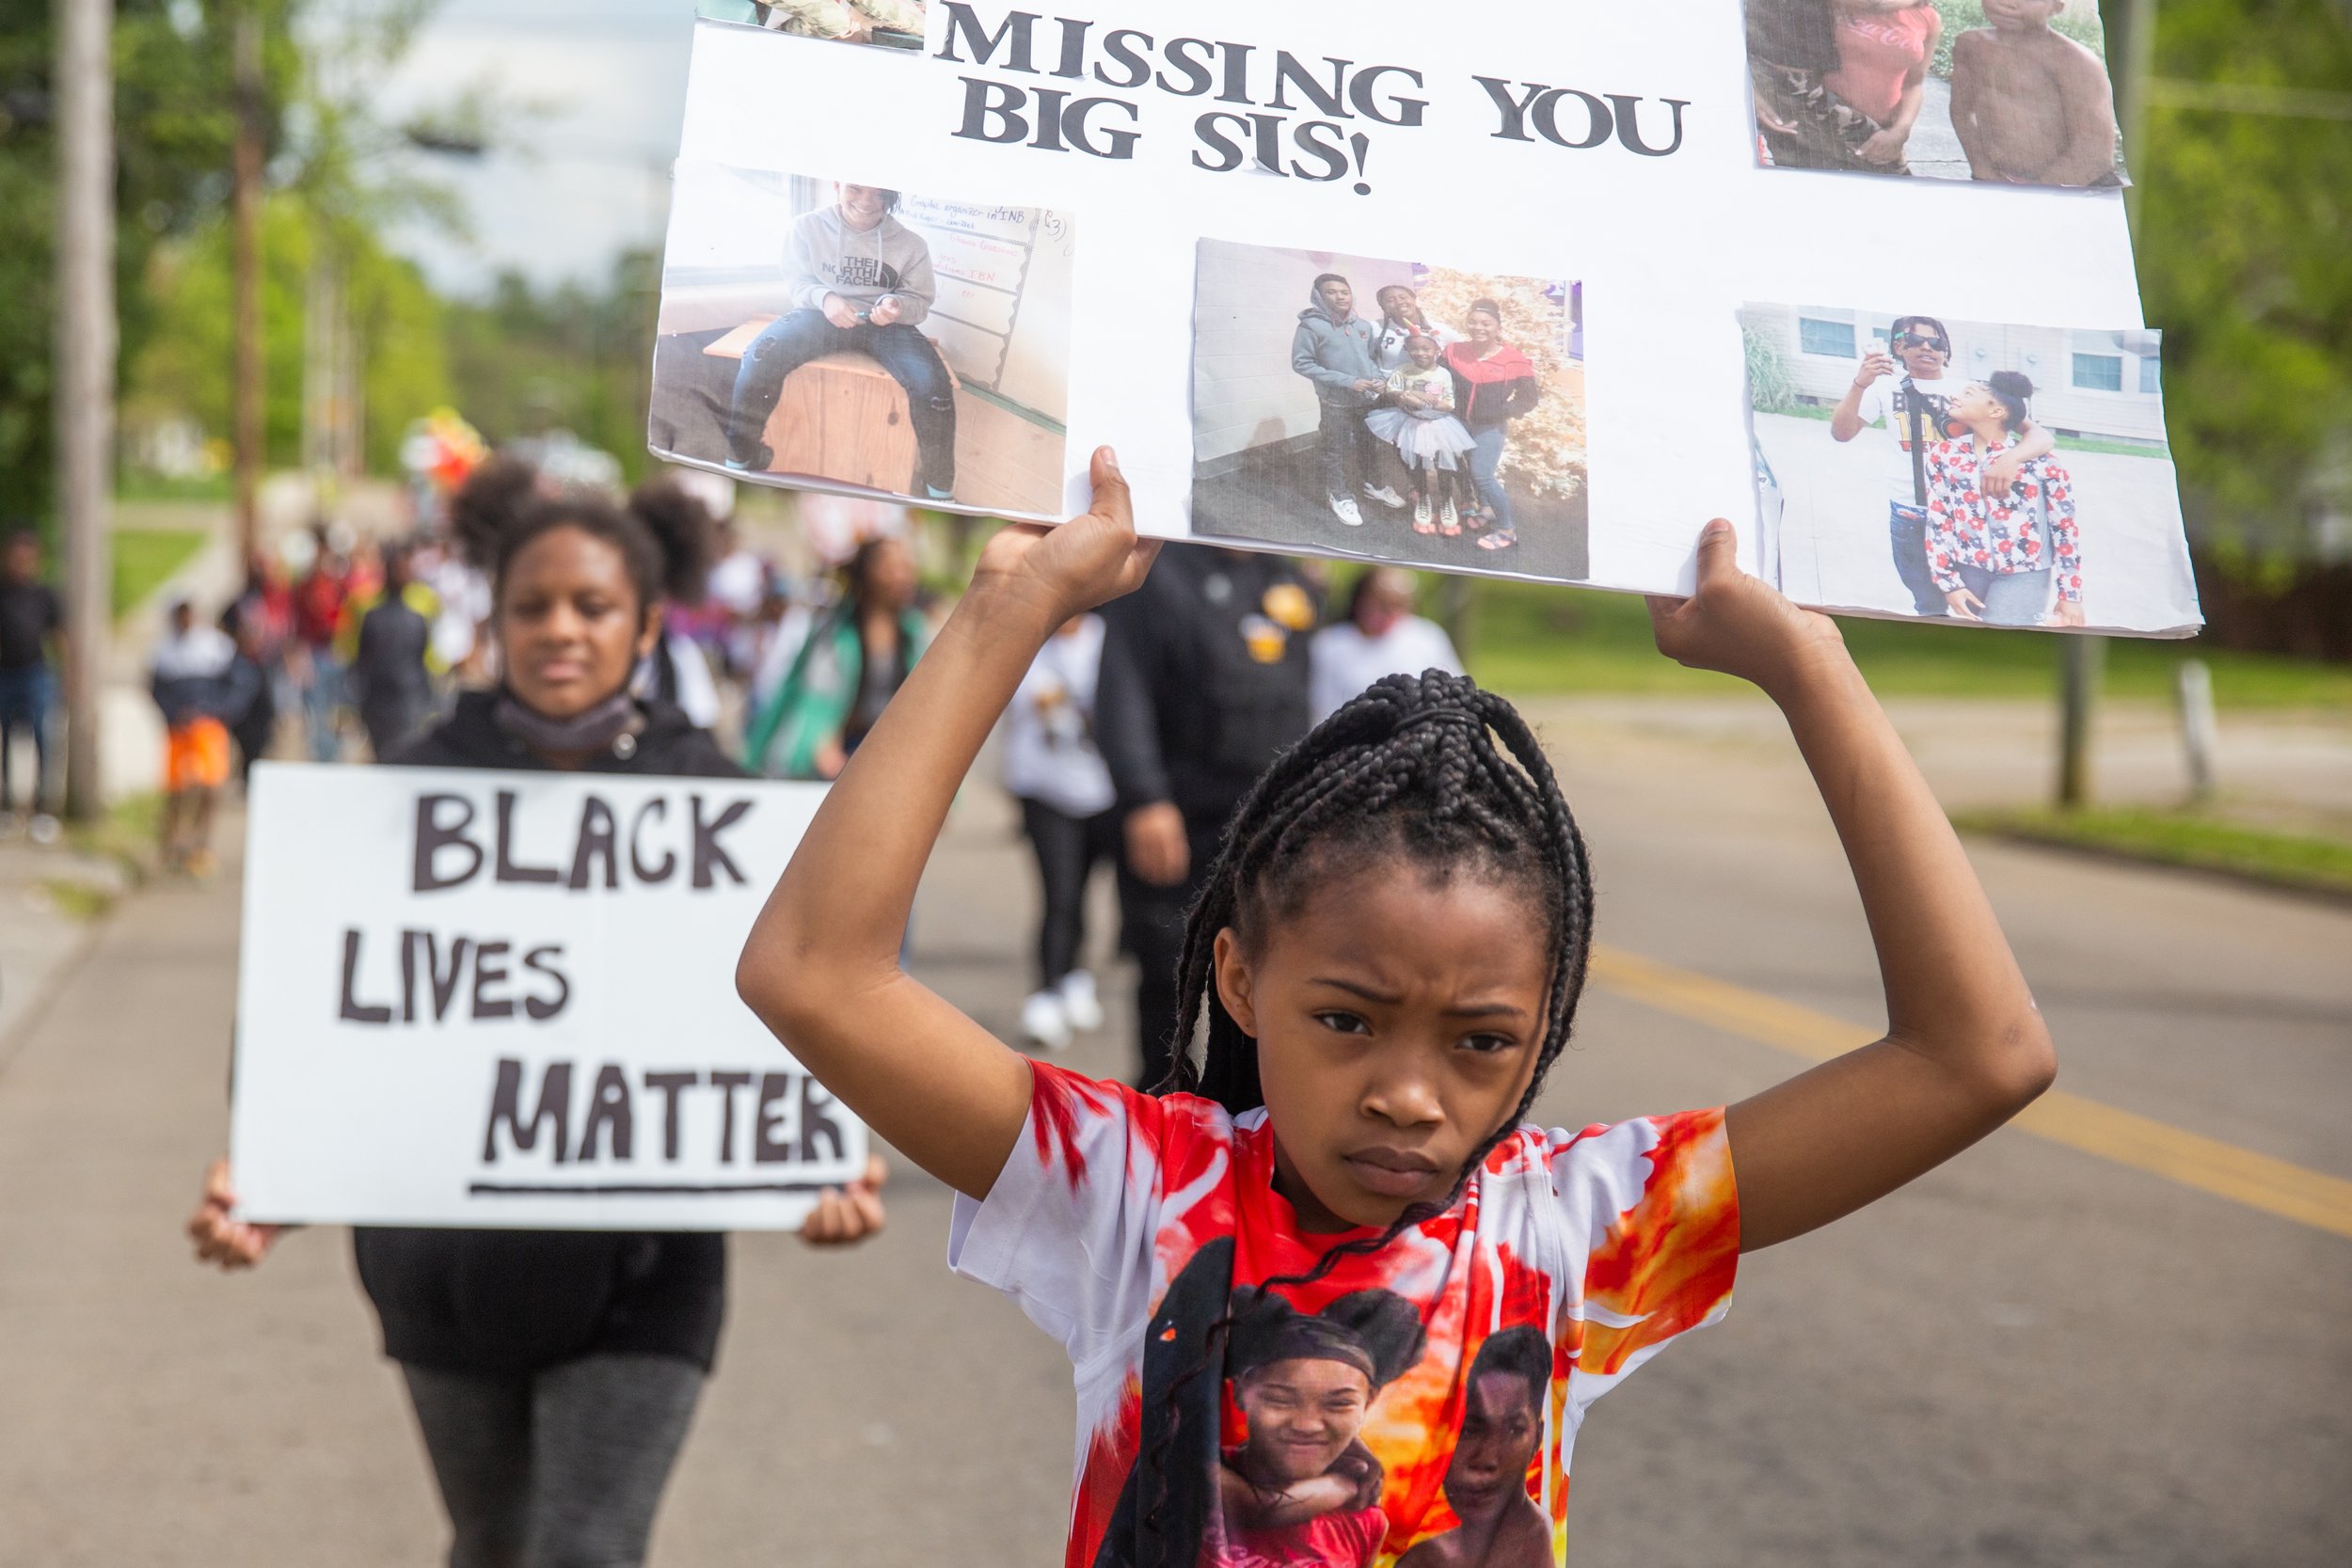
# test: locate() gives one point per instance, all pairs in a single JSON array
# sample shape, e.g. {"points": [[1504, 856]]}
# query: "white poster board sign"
{"points": [[1111, 223], [507, 1000]]}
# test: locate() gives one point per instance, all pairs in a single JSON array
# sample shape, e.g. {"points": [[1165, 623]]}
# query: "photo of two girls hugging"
{"points": [[2019, 473]]}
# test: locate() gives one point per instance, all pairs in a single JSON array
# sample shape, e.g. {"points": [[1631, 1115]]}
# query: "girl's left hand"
{"points": [[1739, 624], [845, 1215], [2066, 612]]}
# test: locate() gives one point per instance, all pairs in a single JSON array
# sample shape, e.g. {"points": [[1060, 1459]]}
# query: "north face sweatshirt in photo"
{"points": [[1335, 354], [828, 257]]}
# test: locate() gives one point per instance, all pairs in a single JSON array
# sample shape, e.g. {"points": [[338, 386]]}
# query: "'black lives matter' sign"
{"points": [[501, 1000]]}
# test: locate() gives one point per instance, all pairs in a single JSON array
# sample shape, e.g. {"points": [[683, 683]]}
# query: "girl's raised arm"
{"points": [[1965, 1047], [821, 965]]}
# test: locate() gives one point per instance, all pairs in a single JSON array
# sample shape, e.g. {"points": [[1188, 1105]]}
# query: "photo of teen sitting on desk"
{"points": [[856, 335]]}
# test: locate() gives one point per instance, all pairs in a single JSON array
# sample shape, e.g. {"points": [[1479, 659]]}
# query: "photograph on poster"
{"points": [[2010, 91], [814, 331], [1931, 468], [1396, 409], [886, 23]]}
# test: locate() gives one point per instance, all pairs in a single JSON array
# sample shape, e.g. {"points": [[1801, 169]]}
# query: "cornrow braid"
{"points": [[1412, 764]]}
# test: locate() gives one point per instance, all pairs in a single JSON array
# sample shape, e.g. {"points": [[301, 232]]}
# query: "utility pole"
{"points": [[245, 205], [2131, 37], [84, 399]]}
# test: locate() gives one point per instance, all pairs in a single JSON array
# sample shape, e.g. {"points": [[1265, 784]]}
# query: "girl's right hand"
{"points": [[219, 1236], [1065, 569], [1964, 605]]}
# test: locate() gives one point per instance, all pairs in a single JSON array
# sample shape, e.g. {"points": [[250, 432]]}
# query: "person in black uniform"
{"points": [[1204, 680], [553, 1372], [387, 670]]}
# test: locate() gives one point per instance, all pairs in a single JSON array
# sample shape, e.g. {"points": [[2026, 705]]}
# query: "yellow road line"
{"points": [[2274, 1186]]}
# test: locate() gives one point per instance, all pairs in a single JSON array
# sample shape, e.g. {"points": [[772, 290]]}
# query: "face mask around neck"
{"points": [[591, 730]]}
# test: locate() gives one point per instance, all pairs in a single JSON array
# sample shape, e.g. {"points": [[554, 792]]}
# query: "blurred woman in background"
{"points": [[855, 656]]}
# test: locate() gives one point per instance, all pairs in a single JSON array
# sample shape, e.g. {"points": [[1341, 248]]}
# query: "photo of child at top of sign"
{"points": [[891, 24], [1904, 88], [2032, 107]]}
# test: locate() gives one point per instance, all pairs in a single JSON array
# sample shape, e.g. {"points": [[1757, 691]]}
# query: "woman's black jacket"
{"points": [[503, 1302]]}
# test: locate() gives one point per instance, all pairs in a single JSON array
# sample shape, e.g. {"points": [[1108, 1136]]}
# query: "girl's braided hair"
{"points": [[1427, 772]]}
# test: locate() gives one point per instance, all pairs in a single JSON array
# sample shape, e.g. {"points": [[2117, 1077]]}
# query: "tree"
{"points": [[574, 358], [2245, 224], [183, 366], [172, 130]]}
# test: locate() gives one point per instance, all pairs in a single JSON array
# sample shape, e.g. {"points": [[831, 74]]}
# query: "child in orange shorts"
{"points": [[190, 683]]}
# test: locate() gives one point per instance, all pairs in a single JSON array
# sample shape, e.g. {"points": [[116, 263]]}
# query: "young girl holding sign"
{"points": [[1388, 956], [554, 1372]]}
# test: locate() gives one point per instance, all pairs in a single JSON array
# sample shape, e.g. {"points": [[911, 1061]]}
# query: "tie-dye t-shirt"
{"points": [[1414, 1406]]}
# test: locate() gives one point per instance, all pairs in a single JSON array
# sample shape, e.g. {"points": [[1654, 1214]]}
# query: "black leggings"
{"points": [[1151, 927], [1068, 850], [562, 1468]]}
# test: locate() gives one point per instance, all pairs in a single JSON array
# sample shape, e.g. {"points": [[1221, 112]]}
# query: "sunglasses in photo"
{"points": [[1921, 340]]}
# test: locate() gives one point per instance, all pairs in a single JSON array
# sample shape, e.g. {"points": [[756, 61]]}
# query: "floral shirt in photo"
{"points": [[1417, 1405], [2032, 529]]}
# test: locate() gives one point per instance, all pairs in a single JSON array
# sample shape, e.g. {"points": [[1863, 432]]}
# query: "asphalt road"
{"points": [[2050, 1352]]}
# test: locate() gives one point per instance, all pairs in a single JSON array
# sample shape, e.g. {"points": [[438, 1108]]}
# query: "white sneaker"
{"points": [[1042, 1021], [1346, 510], [1385, 495], [45, 827], [1079, 1004]]}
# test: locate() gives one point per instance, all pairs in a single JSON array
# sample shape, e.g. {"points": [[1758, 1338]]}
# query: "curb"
{"points": [[2243, 877]]}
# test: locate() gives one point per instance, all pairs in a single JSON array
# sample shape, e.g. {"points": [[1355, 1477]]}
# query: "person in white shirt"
{"points": [[1380, 637], [1053, 768]]}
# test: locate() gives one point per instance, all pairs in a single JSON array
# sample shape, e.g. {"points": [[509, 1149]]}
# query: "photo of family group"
{"points": [[2014, 91], [1973, 471], [1393, 409], [816, 331], [887, 23]]}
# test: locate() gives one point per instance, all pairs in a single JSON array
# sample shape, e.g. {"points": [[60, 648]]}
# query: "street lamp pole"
{"points": [[83, 402], [244, 222], [2082, 659]]}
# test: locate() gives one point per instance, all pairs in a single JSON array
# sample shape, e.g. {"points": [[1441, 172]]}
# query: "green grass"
{"points": [[143, 559], [2184, 838], [1537, 640], [78, 900], [2113, 449], [134, 486], [126, 835]]}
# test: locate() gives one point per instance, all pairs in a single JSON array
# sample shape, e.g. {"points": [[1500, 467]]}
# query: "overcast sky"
{"points": [[577, 183]]}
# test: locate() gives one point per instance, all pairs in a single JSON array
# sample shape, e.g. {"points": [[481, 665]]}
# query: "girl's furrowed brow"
{"points": [[1356, 988], [1372, 993]]}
